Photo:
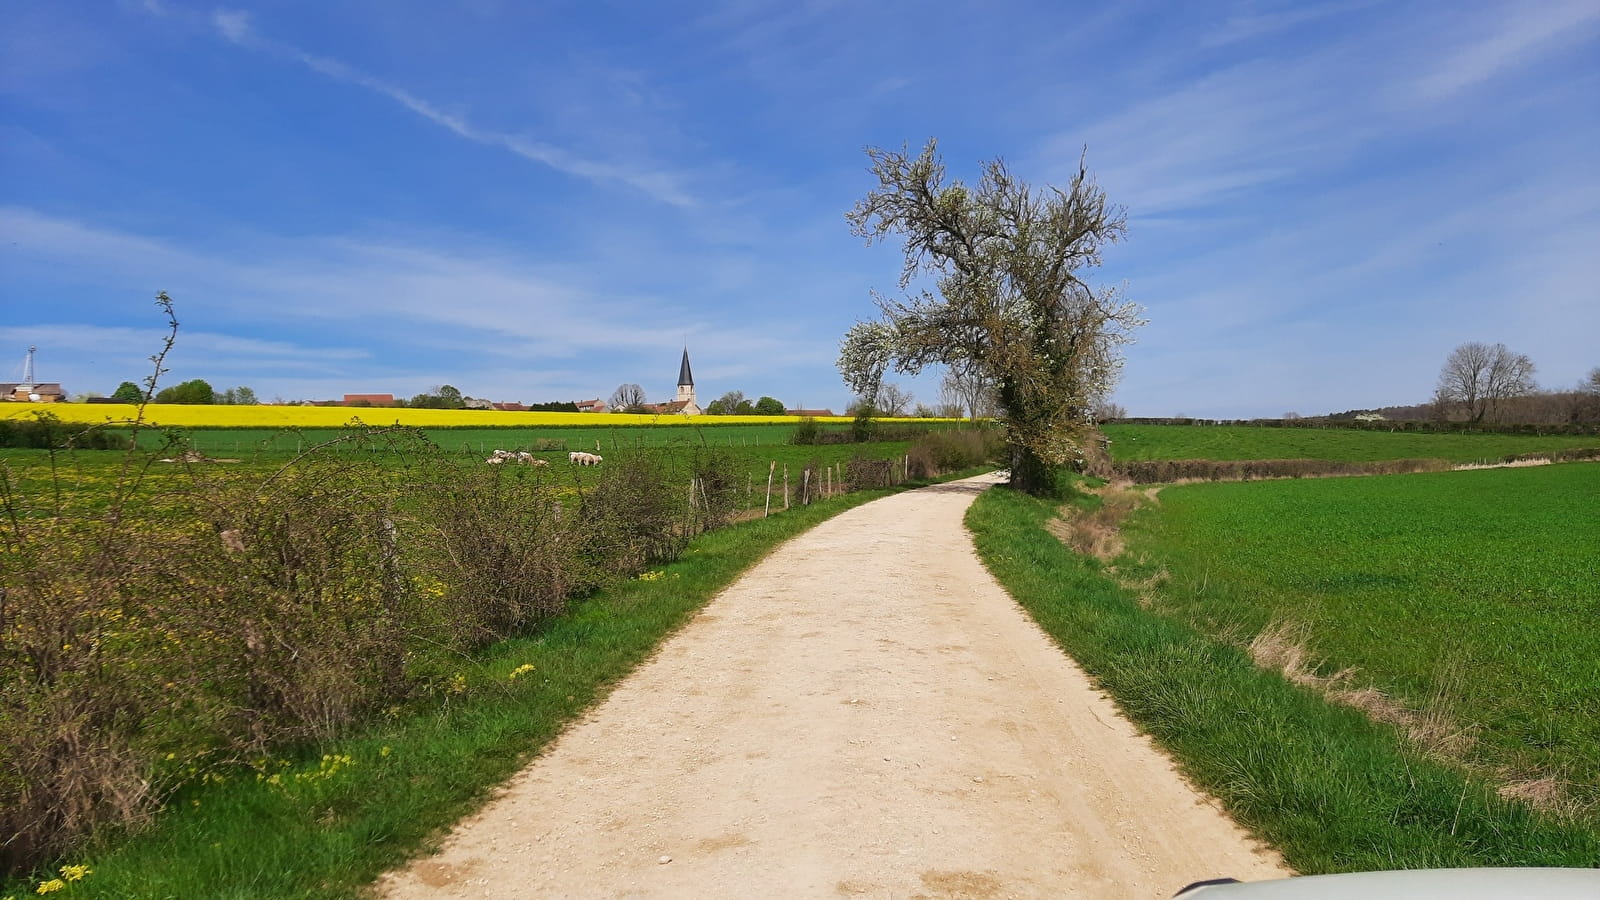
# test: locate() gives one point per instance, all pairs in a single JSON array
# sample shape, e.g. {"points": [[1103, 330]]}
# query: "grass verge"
{"points": [[1331, 789], [326, 822]]}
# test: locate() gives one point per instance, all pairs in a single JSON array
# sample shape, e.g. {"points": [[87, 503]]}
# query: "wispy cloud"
{"points": [[1253, 25], [453, 314], [1231, 132], [667, 187], [232, 24], [1517, 37]]}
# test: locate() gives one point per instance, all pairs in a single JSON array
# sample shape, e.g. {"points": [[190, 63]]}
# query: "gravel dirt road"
{"points": [[866, 713]]}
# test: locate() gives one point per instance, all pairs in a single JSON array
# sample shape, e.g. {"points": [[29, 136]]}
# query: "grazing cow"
{"points": [[495, 460], [539, 462], [585, 459]]}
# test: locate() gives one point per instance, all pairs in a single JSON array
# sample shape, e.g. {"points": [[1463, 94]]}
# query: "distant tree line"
{"points": [[195, 392], [734, 403], [1490, 384]]}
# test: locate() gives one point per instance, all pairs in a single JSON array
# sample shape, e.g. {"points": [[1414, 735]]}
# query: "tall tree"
{"points": [[727, 404], [1009, 264], [893, 400], [968, 388], [1476, 378], [768, 406], [128, 392], [196, 391], [240, 396], [627, 398]]}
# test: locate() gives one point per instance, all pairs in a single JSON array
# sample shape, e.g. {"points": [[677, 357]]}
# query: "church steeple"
{"points": [[686, 387]]}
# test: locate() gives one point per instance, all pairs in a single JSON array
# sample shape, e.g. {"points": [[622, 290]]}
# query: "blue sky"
{"points": [[536, 201]]}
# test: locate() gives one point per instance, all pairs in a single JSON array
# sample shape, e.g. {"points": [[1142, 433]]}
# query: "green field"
{"points": [[236, 441], [1474, 593], [1330, 788], [88, 473], [1140, 442]]}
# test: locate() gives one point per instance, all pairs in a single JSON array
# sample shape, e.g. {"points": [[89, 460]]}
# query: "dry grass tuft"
{"points": [[1547, 794], [1098, 533], [1281, 647]]}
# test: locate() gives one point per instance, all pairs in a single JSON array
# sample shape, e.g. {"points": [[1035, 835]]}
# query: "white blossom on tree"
{"points": [[1012, 304]]}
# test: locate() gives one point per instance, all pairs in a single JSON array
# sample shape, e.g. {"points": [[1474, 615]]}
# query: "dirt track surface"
{"points": [[866, 713]]}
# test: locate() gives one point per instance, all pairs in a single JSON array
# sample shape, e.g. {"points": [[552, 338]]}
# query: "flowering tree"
{"points": [[1011, 301]]}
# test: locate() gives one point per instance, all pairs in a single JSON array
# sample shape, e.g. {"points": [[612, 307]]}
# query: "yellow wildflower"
{"points": [[51, 886], [458, 684], [75, 873], [523, 669], [384, 752]]}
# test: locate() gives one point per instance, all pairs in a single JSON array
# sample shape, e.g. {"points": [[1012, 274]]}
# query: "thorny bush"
{"points": [[170, 620]]}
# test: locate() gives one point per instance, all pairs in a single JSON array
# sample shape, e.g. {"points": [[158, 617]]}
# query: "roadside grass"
{"points": [[326, 821], [1231, 442], [1330, 788], [1471, 596]]}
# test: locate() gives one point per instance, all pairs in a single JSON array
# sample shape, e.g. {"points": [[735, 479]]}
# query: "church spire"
{"points": [[685, 377]]}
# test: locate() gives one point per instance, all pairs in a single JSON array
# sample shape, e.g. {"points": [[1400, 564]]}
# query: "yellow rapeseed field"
{"points": [[183, 416]]}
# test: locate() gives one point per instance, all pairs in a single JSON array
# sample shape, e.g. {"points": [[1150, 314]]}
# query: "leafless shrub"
{"points": [[864, 473]]}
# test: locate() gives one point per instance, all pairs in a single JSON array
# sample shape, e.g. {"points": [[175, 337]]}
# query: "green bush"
{"points": [[46, 432]]}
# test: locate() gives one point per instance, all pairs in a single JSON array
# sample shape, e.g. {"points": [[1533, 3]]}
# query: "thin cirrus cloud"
{"points": [[402, 315], [1505, 43], [666, 187]]}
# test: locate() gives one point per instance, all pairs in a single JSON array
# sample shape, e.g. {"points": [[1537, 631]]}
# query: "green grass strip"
{"points": [[326, 823], [1332, 790]]}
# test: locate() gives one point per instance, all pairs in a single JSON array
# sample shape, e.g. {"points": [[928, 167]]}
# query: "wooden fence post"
{"points": [[767, 510], [785, 485]]}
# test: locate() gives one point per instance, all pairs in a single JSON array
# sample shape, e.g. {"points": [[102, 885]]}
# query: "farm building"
{"points": [[592, 406], [368, 399], [44, 392], [28, 390], [813, 413]]}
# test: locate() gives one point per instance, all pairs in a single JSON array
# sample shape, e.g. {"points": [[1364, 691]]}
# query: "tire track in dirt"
{"points": [[864, 713]]}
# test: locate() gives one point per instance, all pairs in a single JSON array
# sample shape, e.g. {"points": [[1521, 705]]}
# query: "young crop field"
{"points": [[1141, 442], [478, 439], [1471, 595]]}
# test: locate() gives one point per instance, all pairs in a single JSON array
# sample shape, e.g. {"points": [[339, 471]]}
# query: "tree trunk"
{"points": [[1030, 474]]}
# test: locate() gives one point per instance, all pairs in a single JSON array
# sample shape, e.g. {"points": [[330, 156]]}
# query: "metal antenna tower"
{"points": [[27, 369]]}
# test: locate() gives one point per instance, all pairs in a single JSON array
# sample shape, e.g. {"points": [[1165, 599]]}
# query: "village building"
{"points": [[685, 404], [592, 406], [812, 413]]}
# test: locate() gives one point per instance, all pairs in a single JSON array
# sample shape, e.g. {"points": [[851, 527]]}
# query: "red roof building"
{"points": [[369, 399]]}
